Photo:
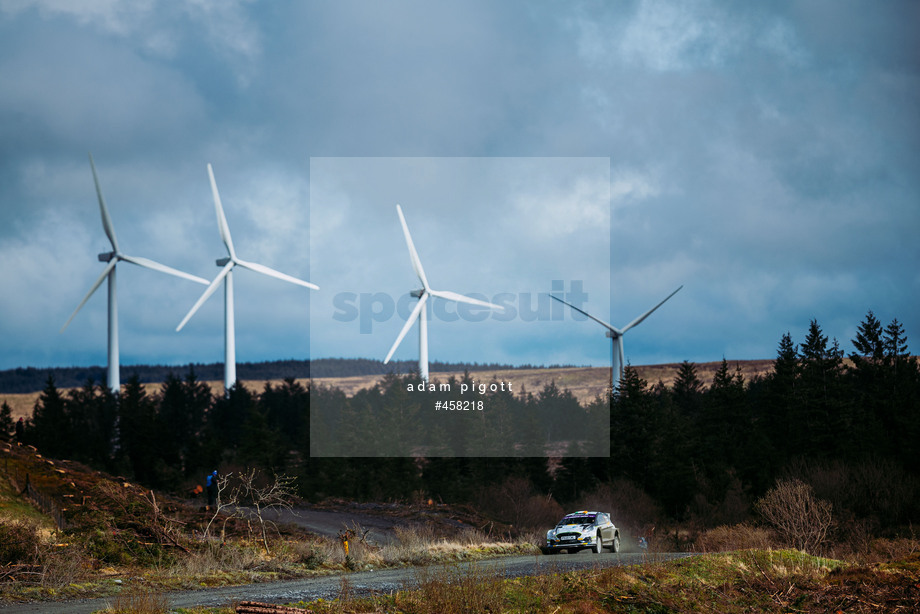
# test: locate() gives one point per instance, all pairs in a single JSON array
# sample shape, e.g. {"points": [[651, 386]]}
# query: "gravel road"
{"points": [[359, 583]]}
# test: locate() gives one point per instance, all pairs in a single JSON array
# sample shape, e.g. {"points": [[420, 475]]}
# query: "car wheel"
{"points": [[598, 544], [616, 544]]}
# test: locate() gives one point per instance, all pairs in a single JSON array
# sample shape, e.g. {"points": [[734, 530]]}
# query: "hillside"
{"points": [[584, 382]]}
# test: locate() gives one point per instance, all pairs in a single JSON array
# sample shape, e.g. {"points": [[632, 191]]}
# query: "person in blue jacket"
{"points": [[212, 489]]}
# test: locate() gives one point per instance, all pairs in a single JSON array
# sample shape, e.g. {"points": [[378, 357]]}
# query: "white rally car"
{"points": [[581, 531]]}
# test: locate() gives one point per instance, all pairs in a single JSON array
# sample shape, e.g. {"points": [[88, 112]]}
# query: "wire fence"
{"points": [[46, 503]]}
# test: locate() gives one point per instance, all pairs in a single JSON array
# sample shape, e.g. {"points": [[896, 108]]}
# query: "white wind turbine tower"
{"points": [[419, 312], [113, 258], [616, 338], [226, 276]]}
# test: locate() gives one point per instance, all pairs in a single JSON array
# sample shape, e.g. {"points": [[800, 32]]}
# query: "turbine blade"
{"points": [[413, 255], [405, 329], [638, 320], [106, 220], [221, 218], [460, 298], [156, 266], [581, 311], [105, 273], [207, 293], [622, 355], [261, 268]]}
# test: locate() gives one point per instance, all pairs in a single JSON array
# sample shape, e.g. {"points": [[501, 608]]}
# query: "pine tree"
{"points": [[634, 430], [261, 444], [49, 428], [183, 405], [868, 341], [823, 418], [781, 400], [6, 421], [867, 380], [92, 413], [687, 391], [138, 434], [901, 406], [895, 341]]}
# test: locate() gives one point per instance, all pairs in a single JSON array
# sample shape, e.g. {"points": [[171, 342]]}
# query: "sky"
{"points": [[764, 156]]}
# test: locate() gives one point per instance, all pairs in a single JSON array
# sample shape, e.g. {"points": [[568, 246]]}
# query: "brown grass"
{"points": [[729, 583], [138, 602], [735, 537]]}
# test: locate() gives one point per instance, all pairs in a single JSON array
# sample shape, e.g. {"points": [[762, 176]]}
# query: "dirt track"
{"points": [[330, 523], [356, 584]]}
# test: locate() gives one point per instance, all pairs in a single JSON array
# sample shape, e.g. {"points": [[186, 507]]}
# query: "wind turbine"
{"points": [[616, 338], [419, 312], [113, 258], [226, 276]]}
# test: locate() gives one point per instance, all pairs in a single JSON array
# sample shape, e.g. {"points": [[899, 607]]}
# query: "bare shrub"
{"points": [[259, 493], [62, 567], [876, 490], [798, 516], [227, 500], [27, 558], [19, 542], [516, 502], [264, 495], [734, 537], [893, 549]]}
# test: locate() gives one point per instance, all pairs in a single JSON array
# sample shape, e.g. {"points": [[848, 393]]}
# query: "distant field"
{"points": [[584, 382]]}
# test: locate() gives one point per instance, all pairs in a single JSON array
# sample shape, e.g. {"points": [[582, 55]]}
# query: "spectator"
{"points": [[212, 490]]}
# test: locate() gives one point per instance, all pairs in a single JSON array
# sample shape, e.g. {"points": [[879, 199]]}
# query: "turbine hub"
{"points": [[612, 334]]}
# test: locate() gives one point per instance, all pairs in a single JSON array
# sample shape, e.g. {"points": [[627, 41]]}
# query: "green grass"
{"points": [[14, 508], [736, 582]]}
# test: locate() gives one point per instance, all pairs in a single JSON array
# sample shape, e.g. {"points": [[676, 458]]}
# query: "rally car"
{"points": [[581, 531]]}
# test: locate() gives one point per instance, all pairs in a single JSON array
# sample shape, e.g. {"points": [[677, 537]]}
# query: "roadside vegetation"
{"points": [[819, 456], [732, 582], [116, 537]]}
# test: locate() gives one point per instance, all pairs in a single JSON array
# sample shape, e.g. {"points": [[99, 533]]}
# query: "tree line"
{"points": [[32, 379], [699, 450]]}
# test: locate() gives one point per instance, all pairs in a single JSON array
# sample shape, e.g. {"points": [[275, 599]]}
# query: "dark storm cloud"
{"points": [[766, 156]]}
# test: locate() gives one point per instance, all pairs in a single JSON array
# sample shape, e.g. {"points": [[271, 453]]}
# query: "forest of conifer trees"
{"points": [[701, 451]]}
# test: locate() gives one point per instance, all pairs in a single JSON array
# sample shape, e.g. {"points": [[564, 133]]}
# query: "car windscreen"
{"points": [[577, 520]]}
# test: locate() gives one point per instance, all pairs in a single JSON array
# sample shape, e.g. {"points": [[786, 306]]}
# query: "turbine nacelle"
{"points": [[617, 357], [423, 294], [112, 259], [225, 277]]}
